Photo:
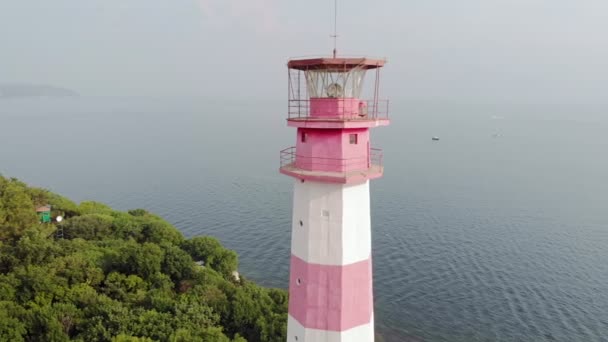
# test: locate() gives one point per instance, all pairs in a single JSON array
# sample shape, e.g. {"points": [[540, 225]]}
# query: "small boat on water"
{"points": [[435, 138]]}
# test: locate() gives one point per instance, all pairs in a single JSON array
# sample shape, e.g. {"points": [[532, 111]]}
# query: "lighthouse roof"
{"points": [[43, 209], [335, 64]]}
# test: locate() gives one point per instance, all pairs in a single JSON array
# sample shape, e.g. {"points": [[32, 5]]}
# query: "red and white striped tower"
{"points": [[330, 286]]}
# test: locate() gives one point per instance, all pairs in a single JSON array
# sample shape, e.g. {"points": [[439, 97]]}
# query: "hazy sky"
{"points": [[471, 50]]}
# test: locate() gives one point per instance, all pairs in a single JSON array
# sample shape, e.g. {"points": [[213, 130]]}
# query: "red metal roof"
{"points": [[43, 208], [337, 64]]}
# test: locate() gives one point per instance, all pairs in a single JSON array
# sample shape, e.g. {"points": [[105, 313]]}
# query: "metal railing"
{"points": [[375, 156], [289, 158], [298, 109], [375, 110]]}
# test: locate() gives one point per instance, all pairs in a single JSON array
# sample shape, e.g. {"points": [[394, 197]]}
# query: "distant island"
{"points": [[19, 90], [86, 272]]}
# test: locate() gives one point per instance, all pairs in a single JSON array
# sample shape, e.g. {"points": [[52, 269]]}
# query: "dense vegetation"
{"points": [[105, 275]]}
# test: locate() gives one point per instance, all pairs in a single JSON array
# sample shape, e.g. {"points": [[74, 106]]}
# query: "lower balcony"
{"points": [[332, 170]]}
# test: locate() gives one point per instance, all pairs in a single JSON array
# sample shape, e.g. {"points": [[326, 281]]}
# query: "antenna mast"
{"points": [[335, 35]]}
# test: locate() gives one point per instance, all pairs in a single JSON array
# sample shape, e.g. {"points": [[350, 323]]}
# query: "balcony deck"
{"points": [[359, 176], [315, 169], [344, 115], [337, 123]]}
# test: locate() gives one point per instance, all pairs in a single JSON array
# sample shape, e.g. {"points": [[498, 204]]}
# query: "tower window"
{"points": [[353, 138], [303, 137]]}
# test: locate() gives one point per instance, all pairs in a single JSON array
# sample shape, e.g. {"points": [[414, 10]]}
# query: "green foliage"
{"points": [[122, 277], [88, 227], [38, 196], [62, 206], [78, 268], [215, 256], [159, 231], [126, 226], [138, 212], [11, 326], [130, 289], [34, 246], [127, 338], [17, 211], [44, 324], [142, 259], [91, 207]]}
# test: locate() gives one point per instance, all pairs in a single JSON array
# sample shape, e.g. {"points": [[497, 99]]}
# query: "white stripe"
{"points": [[335, 223], [297, 333]]}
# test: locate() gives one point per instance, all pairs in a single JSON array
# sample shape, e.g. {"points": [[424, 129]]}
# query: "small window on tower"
{"points": [[304, 137], [353, 138]]}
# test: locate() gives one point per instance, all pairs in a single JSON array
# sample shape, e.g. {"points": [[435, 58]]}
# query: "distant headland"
{"points": [[21, 90]]}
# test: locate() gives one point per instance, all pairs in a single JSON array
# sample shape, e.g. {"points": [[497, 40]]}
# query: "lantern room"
{"points": [[333, 108], [329, 89]]}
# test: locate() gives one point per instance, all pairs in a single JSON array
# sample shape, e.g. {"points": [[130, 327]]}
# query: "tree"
{"points": [[144, 260], [78, 268], [92, 207], [159, 231], [34, 246], [126, 226], [176, 263], [130, 289], [62, 206], [16, 210], [43, 325], [150, 323], [127, 338], [210, 251], [68, 316], [12, 328], [124, 277], [38, 283], [88, 227], [138, 212]]}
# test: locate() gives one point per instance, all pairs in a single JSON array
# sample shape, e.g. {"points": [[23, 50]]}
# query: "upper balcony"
{"points": [[338, 113], [333, 170]]}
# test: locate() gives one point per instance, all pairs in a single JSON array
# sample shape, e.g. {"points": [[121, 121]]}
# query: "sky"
{"points": [[466, 50]]}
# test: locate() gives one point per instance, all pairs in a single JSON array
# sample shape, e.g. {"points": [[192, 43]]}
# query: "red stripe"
{"points": [[334, 298]]}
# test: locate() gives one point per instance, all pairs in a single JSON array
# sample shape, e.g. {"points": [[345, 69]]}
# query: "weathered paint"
{"points": [[335, 223], [296, 332]]}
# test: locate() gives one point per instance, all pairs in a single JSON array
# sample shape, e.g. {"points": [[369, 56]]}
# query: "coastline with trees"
{"points": [[107, 275]]}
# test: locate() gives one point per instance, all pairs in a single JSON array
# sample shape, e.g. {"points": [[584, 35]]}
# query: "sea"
{"points": [[498, 231]]}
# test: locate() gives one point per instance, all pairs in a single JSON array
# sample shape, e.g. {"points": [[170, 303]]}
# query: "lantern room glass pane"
{"points": [[335, 84]]}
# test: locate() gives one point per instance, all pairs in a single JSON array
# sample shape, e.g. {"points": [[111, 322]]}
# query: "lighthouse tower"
{"points": [[330, 285]]}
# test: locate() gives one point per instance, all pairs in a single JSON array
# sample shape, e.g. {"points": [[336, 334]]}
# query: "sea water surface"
{"points": [[497, 232]]}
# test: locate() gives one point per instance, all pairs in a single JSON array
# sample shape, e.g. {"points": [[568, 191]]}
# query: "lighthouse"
{"points": [[332, 163]]}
